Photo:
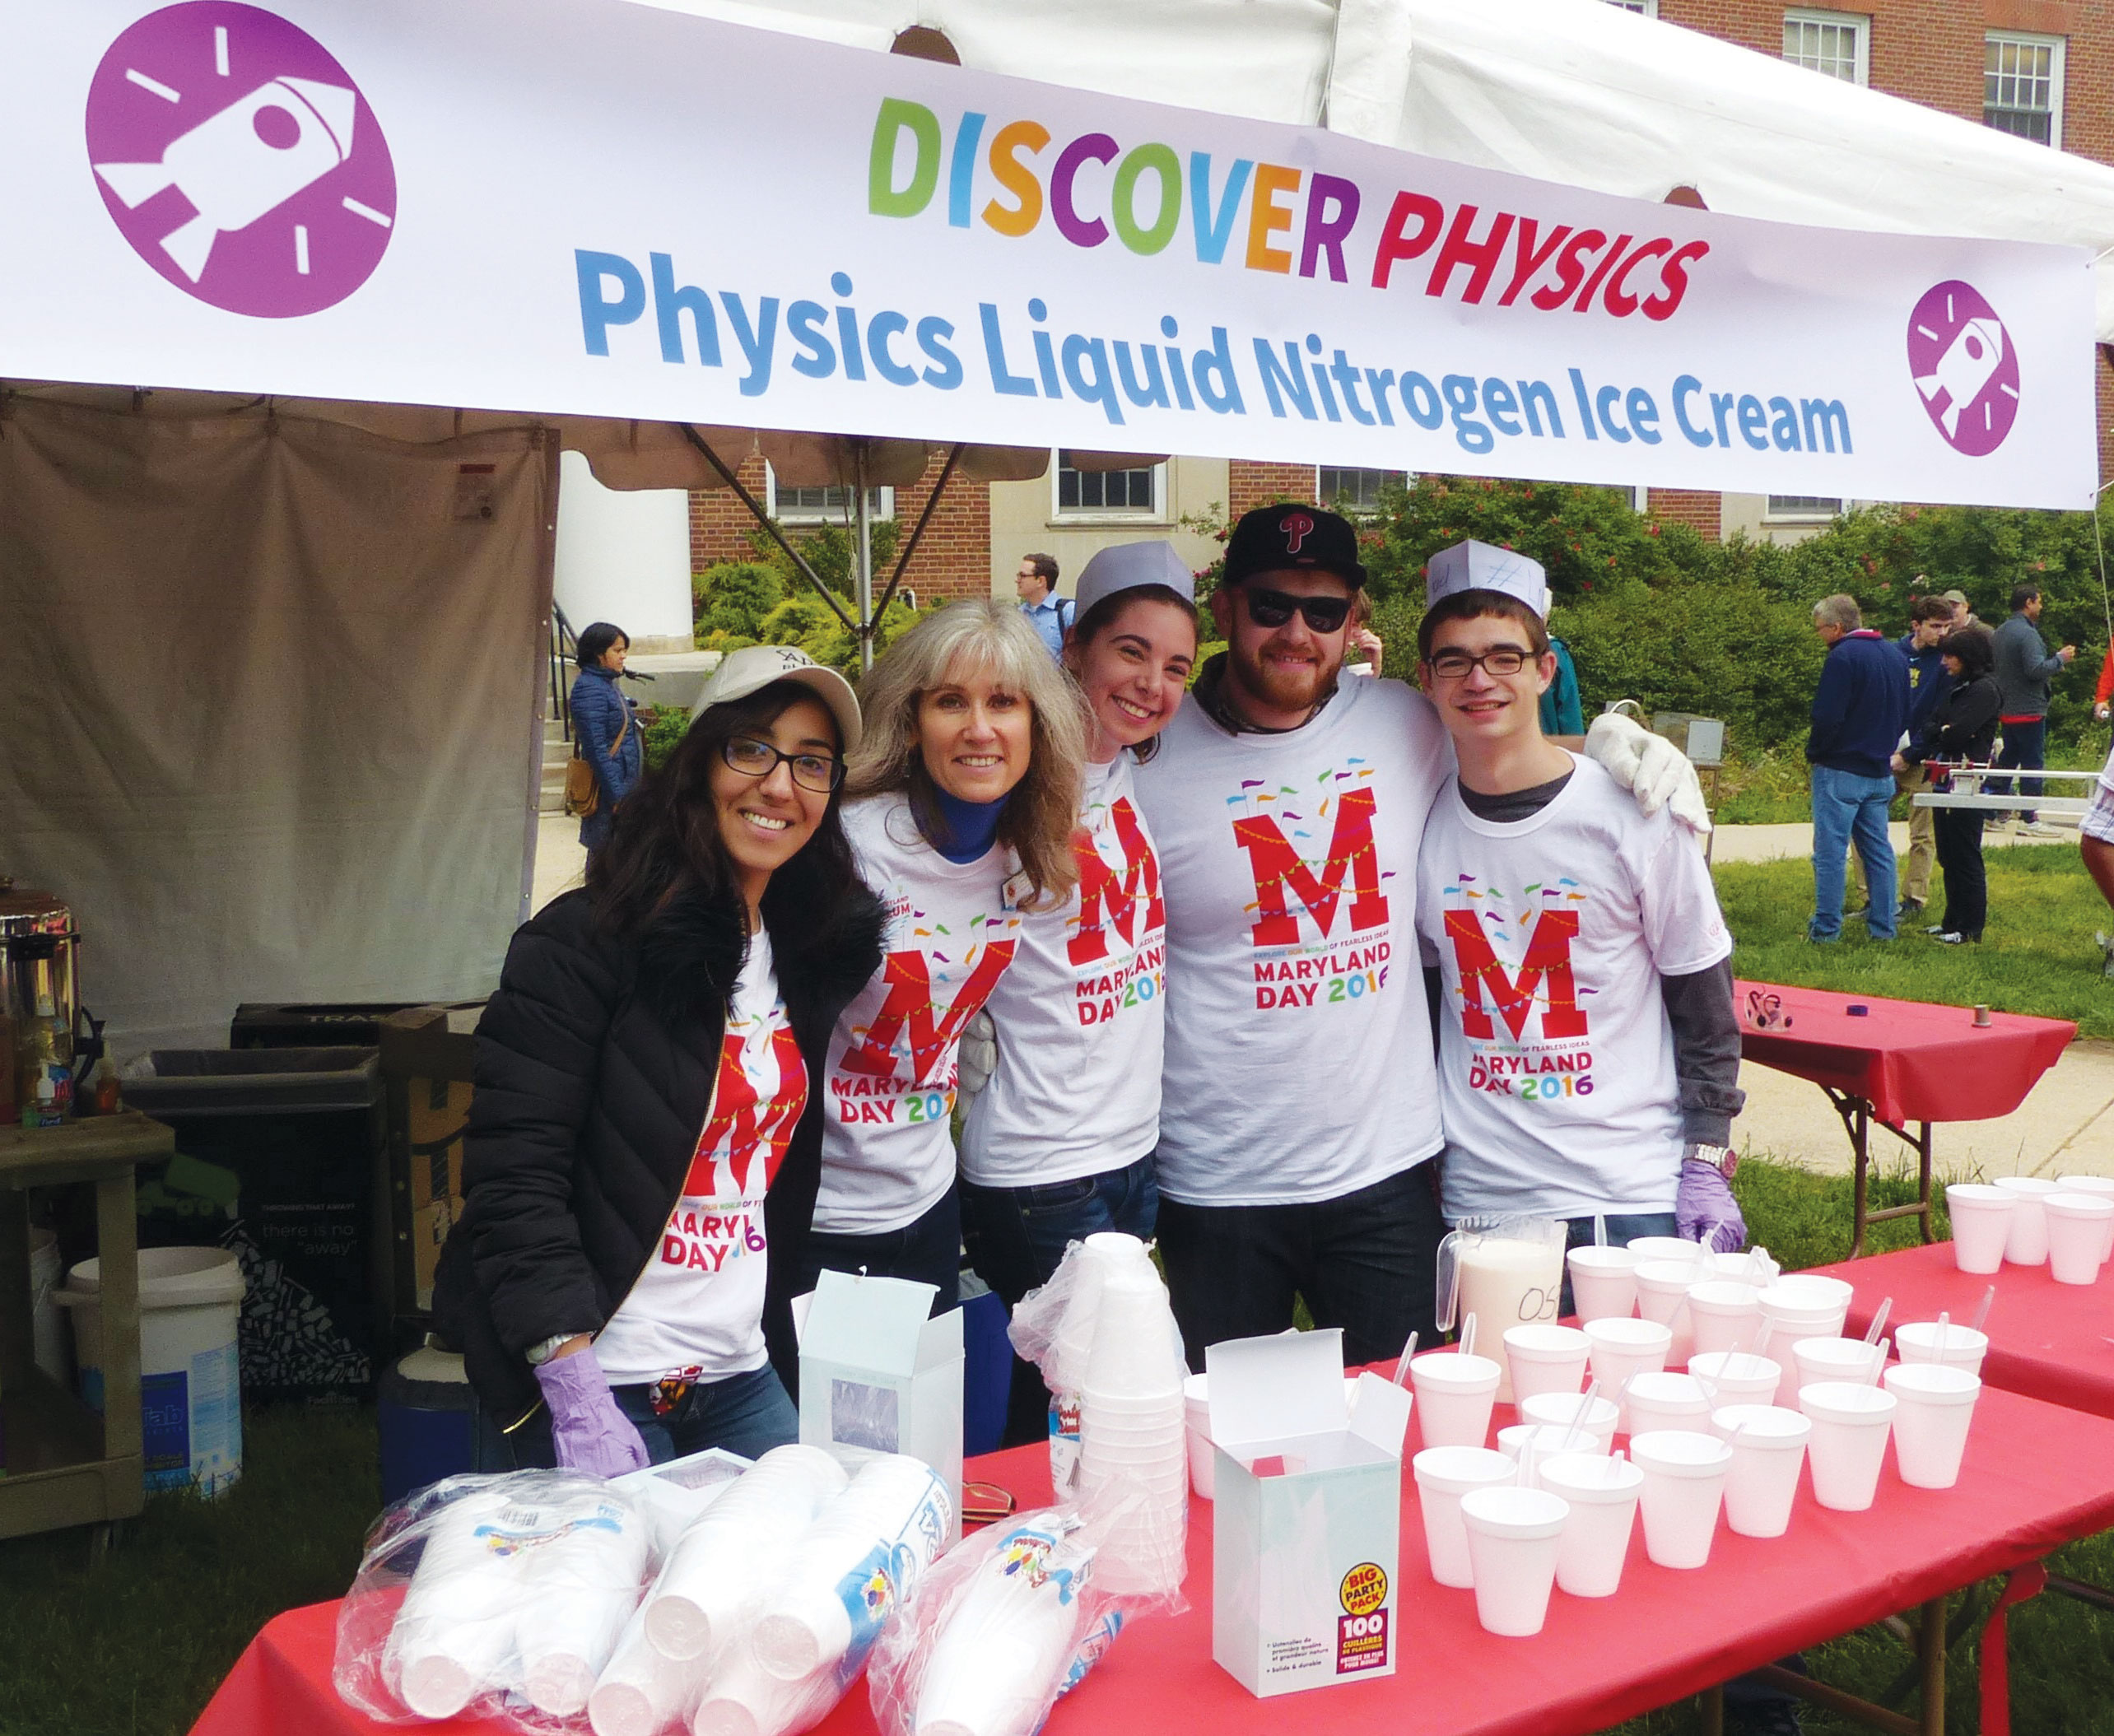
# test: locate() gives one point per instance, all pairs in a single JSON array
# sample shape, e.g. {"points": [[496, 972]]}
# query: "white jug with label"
{"points": [[1507, 1272]]}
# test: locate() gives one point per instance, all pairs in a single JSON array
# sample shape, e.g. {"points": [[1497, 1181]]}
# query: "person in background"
{"points": [[961, 807], [1929, 621], [1059, 1144], [1363, 639], [1050, 615], [2024, 670], [644, 1142], [1960, 731], [605, 733], [1963, 613], [1857, 711], [2095, 843], [1561, 711]]}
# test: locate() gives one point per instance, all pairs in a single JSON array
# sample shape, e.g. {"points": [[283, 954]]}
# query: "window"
{"points": [[823, 506], [1134, 492], [1359, 490], [2023, 86], [1813, 506], [1832, 43], [1643, 8]]}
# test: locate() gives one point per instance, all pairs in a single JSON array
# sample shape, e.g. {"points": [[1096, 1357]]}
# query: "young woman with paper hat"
{"points": [[645, 1140], [963, 799], [1059, 1144]]}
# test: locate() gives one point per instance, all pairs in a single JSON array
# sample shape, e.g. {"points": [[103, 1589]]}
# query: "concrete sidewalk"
{"points": [[1774, 843]]}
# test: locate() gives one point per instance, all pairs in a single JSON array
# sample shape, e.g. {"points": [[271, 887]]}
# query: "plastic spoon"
{"points": [[1468, 1335], [1600, 1230], [1578, 1419], [1879, 1363], [1402, 1367], [1878, 1322], [1944, 1325], [1982, 1313]]}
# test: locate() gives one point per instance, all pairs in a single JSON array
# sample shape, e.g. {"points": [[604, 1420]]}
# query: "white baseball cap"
{"points": [[1127, 565], [754, 668], [1480, 566]]}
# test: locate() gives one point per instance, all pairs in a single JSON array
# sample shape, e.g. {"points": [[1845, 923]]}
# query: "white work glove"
{"points": [[1649, 767], [978, 1058]]}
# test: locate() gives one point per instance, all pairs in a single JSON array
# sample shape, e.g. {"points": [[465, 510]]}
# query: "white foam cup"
{"points": [[2077, 1232], [1545, 1358], [1956, 1347], [1982, 1224], [1934, 1404], [1196, 1404], [1454, 1395], [1444, 1475], [1724, 1313], [1804, 1305], [1762, 1479], [2026, 1242], [1513, 1537], [1661, 1247], [1559, 1410], [1662, 1295], [1603, 1281], [1548, 1440], [1816, 1360], [1684, 1483], [2100, 1186], [1737, 1377], [1666, 1401], [1602, 1493], [1622, 1348], [1850, 1424]]}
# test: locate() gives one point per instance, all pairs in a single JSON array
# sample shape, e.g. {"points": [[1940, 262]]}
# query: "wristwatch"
{"points": [[539, 1354], [1721, 1158]]}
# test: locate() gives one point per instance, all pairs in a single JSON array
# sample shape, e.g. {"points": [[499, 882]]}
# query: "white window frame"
{"points": [[1403, 475], [2059, 46], [1156, 514], [1643, 8], [1859, 23], [1771, 514], [884, 505]]}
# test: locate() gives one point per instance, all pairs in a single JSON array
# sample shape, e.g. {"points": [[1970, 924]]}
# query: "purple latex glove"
{"points": [[588, 1430], [1704, 1199]]}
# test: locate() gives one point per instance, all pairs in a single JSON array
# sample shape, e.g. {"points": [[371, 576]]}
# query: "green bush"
{"points": [[666, 730], [734, 597]]}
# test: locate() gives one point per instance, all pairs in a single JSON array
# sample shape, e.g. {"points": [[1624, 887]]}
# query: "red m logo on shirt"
{"points": [[1546, 965], [909, 1008], [1109, 899], [1278, 867], [746, 1127]]}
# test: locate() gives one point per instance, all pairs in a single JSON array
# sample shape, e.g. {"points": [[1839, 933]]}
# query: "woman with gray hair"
{"points": [[961, 800]]}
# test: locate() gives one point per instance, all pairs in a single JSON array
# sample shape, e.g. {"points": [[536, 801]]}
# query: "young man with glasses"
{"points": [[1299, 1098]]}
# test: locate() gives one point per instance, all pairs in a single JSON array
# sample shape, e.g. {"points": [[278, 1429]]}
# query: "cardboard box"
{"points": [[427, 1055], [1308, 1514], [878, 1369]]}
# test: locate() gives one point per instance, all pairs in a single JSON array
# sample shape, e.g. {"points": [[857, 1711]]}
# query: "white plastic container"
{"points": [[1666, 1401], [2077, 1225], [1444, 1475], [1602, 1493], [1762, 1480], [1956, 1347], [2026, 1243], [1850, 1428], [1726, 1315], [1559, 1410], [1982, 1224], [1737, 1378], [1816, 1360], [1935, 1406], [1684, 1483], [2101, 1187], [1455, 1395], [1545, 1358], [1603, 1282], [189, 1379], [1513, 1536]]}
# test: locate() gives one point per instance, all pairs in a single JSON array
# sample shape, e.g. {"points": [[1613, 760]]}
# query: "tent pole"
{"points": [[910, 548], [762, 517], [864, 595]]}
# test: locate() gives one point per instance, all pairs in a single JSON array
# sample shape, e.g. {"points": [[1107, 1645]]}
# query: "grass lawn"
{"points": [[135, 1647], [2037, 955]]}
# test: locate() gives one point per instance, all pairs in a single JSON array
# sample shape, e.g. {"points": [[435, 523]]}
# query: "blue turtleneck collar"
{"points": [[970, 826]]}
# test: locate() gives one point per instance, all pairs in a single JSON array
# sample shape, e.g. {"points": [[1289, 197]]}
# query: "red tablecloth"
{"points": [[2046, 1339], [1910, 1060], [2036, 1477]]}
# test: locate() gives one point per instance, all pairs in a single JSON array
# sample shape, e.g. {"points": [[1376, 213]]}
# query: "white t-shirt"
{"points": [[888, 1155], [1077, 1090], [1298, 1046], [697, 1309], [2098, 820], [1555, 1072]]}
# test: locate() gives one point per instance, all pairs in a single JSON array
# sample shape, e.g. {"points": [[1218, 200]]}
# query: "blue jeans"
{"points": [[1849, 808], [748, 1414], [1578, 1233], [2026, 747], [928, 1251], [1016, 1236]]}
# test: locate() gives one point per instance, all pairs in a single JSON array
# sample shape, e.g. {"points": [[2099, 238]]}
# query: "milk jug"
{"points": [[1507, 1272]]}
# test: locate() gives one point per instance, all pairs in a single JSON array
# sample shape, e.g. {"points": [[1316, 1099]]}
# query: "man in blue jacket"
{"points": [[1859, 711], [1929, 621]]}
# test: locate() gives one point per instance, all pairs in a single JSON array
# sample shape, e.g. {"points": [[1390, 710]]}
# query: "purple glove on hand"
{"points": [[1703, 1207], [588, 1430]]}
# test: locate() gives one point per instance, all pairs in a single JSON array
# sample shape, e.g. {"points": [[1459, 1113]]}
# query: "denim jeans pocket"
{"points": [[1055, 1196]]}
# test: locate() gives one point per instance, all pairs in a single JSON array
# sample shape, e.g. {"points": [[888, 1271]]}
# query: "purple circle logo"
{"points": [[240, 160], [1962, 361]]}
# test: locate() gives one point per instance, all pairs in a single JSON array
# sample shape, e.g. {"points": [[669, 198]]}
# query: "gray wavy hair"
{"points": [[958, 643]]}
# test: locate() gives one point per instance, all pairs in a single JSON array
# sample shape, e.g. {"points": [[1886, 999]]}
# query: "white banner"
{"points": [[586, 206]]}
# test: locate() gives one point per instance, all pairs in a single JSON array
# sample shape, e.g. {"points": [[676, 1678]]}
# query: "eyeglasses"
{"points": [[1274, 608], [819, 772], [1499, 660]]}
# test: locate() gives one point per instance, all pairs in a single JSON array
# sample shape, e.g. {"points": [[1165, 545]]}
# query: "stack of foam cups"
{"points": [[1684, 1473], [454, 1632], [1603, 1494], [2078, 1227], [642, 1691], [745, 1699], [2100, 1187], [1803, 1305], [1134, 1462], [1850, 1427], [2026, 1242], [1768, 1446], [582, 1587], [1514, 1535], [1982, 1224], [996, 1664], [1934, 1404]]}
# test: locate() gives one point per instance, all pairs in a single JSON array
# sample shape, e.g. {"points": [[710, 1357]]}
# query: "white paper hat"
{"points": [[1124, 566], [1478, 566]]}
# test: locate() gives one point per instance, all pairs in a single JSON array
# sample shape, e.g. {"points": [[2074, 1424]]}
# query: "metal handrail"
{"points": [[565, 651]]}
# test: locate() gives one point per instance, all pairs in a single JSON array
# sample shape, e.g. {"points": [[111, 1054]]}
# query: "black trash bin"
{"points": [[279, 1155], [311, 1024]]}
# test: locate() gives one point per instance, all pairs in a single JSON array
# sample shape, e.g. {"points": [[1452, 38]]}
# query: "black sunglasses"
{"points": [[1274, 608]]}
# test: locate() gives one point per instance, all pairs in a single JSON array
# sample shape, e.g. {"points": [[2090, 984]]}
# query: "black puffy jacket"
{"points": [[593, 1075]]}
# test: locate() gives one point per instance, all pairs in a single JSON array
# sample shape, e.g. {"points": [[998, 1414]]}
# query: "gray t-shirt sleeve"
{"points": [[1705, 1051]]}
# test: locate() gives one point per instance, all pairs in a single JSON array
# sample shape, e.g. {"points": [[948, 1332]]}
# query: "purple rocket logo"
{"points": [[1964, 367], [240, 160]]}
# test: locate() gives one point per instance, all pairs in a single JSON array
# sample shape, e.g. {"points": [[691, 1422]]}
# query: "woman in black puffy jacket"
{"points": [[1962, 731], [645, 1139]]}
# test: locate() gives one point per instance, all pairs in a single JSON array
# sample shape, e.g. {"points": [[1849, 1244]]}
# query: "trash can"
{"points": [[423, 1415], [279, 1155], [312, 1025]]}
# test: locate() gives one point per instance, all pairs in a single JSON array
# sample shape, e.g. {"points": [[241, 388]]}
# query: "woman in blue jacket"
{"points": [[605, 731]]}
